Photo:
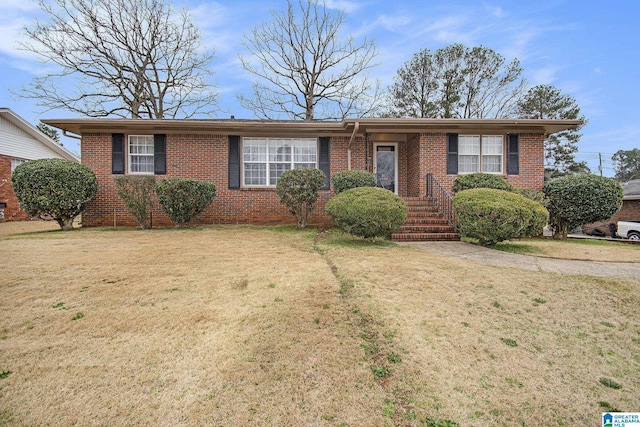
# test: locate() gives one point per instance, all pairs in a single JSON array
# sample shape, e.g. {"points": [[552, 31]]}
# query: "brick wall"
{"points": [[202, 157], [205, 157], [433, 151], [12, 212]]}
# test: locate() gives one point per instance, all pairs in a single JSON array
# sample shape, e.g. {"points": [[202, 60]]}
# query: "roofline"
{"points": [[33, 131], [365, 125]]}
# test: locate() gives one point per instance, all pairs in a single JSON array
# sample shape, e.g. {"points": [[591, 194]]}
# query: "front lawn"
{"points": [[255, 326]]}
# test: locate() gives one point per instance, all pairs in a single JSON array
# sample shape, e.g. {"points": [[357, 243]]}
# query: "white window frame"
{"points": [[480, 153], [15, 162], [130, 156], [266, 154]]}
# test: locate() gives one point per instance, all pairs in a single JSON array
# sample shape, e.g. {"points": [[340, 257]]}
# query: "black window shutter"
{"points": [[117, 153], [513, 154], [325, 162], [160, 154], [452, 154], [234, 162]]}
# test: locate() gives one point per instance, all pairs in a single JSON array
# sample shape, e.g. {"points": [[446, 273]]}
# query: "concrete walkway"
{"points": [[497, 258]]}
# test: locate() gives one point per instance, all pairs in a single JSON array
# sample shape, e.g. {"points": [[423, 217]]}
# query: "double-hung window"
{"points": [[266, 159], [141, 154], [480, 153], [15, 162]]}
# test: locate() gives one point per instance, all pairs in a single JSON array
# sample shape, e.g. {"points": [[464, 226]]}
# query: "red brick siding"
{"points": [[413, 166], [202, 157], [433, 151], [12, 212], [205, 157]]}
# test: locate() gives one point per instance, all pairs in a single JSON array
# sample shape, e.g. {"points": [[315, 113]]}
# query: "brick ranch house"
{"points": [[244, 158], [20, 141]]}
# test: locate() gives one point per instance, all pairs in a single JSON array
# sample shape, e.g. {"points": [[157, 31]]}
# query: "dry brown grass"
{"points": [[243, 326], [21, 227], [453, 320], [576, 249]]}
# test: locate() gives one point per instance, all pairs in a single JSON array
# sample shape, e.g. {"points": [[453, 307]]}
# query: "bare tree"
{"points": [[126, 58], [306, 70]]}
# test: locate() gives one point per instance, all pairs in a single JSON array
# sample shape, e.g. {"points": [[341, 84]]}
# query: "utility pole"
{"points": [[600, 165]]}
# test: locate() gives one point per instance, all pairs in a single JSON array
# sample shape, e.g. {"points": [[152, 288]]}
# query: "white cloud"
{"points": [[343, 5], [495, 11]]}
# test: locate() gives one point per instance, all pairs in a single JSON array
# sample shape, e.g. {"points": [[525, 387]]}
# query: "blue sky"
{"points": [[588, 49]]}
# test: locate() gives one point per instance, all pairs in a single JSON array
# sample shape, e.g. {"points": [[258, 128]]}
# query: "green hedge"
{"points": [[575, 200], [54, 188], [480, 180], [346, 180], [183, 199], [492, 216], [368, 211]]}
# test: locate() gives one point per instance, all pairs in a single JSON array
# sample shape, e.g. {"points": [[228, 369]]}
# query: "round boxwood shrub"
{"points": [[480, 180], [55, 189], [368, 211], [492, 216], [298, 190], [183, 199], [575, 200], [346, 180]]}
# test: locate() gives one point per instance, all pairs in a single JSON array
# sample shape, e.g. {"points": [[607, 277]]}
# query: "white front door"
{"points": [[385, 165]]}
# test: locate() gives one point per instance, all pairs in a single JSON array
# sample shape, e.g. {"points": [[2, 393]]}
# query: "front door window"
{"points": [[386, 166]]}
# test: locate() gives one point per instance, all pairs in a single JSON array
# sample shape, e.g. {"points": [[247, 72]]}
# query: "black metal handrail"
{"points": [[442, 199]]}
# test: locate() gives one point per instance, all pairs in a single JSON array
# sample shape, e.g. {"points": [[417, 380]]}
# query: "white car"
{"points": [[629, 229]]}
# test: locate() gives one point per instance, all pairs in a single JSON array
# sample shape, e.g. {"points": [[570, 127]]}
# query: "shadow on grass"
{"points": [[338, 237]]}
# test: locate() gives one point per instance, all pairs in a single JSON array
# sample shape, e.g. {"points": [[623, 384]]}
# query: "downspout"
{"points": [[353, 137], [366, 155]]}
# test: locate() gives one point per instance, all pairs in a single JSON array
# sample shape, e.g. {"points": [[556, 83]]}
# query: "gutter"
{"points": [[68, 135]]}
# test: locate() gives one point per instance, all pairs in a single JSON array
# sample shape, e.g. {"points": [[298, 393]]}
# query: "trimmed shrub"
{"points": [[184, 199], [575, 200], [492, 216], [136, 191], [55, 189], [298, 191], [368, 211], [346, 180], [536, 196], [480, 180]]}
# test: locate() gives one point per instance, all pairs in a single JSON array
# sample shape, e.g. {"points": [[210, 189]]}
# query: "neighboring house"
{"points": [[19, 142], [244, 158], [630, 210]]}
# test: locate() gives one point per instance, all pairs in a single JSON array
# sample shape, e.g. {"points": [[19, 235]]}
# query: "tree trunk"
{"points": [[65, 223]]}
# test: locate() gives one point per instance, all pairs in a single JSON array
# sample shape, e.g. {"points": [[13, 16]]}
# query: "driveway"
{"points": [[528, 262]]}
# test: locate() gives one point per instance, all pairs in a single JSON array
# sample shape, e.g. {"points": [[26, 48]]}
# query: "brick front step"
{"points": [[424, 223], [424, 237], [434, 220], [426, 229]]}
